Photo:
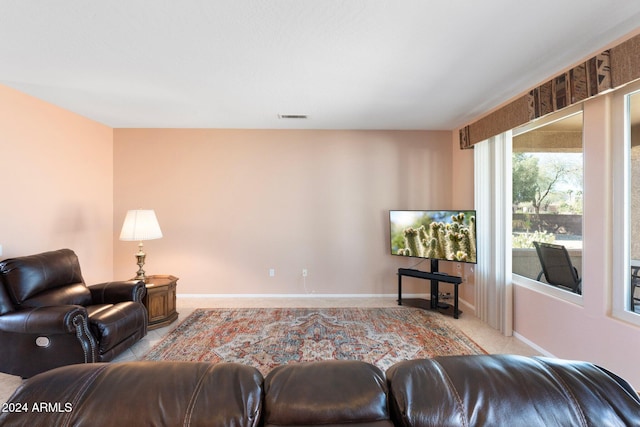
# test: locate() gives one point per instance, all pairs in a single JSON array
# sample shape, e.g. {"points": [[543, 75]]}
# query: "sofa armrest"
{"points": [[60, 319], [119, 291]]}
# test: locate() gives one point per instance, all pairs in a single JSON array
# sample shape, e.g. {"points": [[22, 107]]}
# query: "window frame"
{"points": [[621, 263], [518, 279]]}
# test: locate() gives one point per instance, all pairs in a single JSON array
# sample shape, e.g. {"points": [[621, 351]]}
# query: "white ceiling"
{"points": [[348, 64]]}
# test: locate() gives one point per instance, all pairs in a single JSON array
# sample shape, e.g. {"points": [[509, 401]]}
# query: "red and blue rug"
{"points": [[268, 337]]}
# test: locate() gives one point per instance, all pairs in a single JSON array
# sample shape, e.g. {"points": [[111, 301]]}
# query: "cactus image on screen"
{"points": [[445, 235]]}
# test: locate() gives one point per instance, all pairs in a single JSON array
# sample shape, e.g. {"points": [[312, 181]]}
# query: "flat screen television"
{"points": [[448, 235]]}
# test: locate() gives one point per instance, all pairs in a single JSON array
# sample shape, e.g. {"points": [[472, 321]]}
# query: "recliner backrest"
{"points": [[49, 278], [6, 306]]}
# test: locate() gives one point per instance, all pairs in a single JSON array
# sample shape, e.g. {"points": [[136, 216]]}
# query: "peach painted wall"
{"points": [[234, 203], [57, 175]]}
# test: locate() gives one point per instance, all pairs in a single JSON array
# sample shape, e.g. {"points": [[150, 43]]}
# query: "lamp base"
{"points": [[140, 257]]}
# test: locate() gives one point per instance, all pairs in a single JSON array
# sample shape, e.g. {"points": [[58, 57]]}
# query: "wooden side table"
{"points": [[161, 300]]}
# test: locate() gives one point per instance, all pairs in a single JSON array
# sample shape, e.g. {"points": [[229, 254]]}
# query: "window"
{"points": [[632, 120], [627, 190], [626, 197], [547, 194]]}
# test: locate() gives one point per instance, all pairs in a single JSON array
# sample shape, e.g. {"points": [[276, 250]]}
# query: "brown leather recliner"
{"points": [[50, 318]]}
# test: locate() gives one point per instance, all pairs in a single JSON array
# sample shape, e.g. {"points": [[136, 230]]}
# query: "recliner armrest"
{"points": [[43, 320], [119, 291]]}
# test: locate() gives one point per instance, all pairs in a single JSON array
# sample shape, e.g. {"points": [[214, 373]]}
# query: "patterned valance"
{"points": [[605, 71]]}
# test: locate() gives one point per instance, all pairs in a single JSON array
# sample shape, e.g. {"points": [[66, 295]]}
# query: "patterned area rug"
{"points": [[268, 337]]}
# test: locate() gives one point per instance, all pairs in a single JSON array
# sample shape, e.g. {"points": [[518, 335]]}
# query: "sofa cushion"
{"points": [[326, 393], [140, 394], [508, 390], [25, 277], [112, 323]]}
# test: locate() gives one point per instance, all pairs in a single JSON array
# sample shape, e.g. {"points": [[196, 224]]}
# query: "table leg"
{"points": [[455, 301], [435, 299]]}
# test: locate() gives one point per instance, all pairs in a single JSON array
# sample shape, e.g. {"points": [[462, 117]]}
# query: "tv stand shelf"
{"points": [[435, 277]]}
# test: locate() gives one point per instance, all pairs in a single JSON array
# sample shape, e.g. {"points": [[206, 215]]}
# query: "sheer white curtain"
{"points": [[494, 294]]}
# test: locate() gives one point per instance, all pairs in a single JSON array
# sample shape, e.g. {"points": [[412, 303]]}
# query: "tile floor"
{"points": [[489, 339]]}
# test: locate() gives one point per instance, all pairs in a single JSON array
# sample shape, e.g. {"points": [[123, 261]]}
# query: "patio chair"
{"points": [[635, 289], [557, 267]]}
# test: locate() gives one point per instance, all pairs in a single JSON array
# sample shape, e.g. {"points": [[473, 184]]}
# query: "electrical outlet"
{"points": [[272, 272], [305, 272]]}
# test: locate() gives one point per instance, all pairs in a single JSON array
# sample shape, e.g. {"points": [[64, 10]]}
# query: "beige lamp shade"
{"points": [[139, 225]]}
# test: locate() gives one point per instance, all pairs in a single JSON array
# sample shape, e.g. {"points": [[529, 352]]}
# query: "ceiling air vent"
{"points": [[293, 116]]}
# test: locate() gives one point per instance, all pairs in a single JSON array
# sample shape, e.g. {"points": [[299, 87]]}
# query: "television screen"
{"points": [[441, 235]]}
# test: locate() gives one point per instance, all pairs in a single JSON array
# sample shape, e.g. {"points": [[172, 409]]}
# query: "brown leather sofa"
{"points": [[485, 390], [50, 318]]}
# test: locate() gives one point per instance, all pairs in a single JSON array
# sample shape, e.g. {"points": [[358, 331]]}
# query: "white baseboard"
{"points": [[532, 345], [311, 295], [467, 306]]}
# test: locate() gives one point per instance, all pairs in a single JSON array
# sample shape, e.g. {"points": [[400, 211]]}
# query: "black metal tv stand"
{"points": [[435, 277]]}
